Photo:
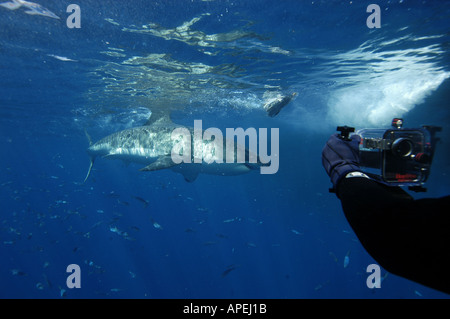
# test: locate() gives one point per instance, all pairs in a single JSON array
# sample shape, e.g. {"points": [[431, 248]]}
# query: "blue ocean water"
{"points": [[152, 234]]}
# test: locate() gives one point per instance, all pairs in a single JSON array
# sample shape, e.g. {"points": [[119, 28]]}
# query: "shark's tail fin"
{"points": [[89, 170], [91, 158]]}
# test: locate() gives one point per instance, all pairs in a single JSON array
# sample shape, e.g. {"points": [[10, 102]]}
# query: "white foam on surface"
{"points": [[377, 86]]}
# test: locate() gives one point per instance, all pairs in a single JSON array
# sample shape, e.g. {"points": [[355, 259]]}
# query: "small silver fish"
{"points": [[347, 259]]}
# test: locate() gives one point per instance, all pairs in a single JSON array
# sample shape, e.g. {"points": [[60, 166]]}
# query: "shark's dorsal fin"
{"points": [[160, 117], [88, 137]]}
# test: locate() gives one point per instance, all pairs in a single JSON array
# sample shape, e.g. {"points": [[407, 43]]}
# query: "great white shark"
{"points": [[152, 145]]}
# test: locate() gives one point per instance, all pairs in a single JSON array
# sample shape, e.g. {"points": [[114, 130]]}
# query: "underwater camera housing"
{"points": [[397, 156]]}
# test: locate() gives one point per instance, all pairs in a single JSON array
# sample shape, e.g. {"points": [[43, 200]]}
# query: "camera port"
{"points": [[402, 147]]}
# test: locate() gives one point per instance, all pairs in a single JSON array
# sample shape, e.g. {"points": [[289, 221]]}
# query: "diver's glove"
{"points": [[340, 157]]}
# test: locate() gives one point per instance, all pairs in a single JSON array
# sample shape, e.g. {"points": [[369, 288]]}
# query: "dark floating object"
{"points": [[274, 105]]}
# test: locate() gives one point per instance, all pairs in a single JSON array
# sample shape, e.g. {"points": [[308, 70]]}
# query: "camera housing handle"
{"points": [[345, 132]]}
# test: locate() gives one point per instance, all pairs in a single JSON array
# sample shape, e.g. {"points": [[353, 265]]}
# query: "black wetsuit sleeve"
{"points": [[407, 237]]}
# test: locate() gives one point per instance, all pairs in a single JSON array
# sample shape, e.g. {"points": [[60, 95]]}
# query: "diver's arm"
{"points": [[407, 237]]}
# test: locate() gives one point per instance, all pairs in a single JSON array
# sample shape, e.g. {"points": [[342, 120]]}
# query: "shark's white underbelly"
{"points": [[140, 156], [145, 157]]}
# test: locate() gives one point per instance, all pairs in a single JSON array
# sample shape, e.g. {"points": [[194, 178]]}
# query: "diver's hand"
{"points": [[340, 157]]}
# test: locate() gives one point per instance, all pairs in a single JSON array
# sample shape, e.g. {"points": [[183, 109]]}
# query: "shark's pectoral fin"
{"points": [[111, 156], [253, 166], [190, 175], [161, 163]]}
